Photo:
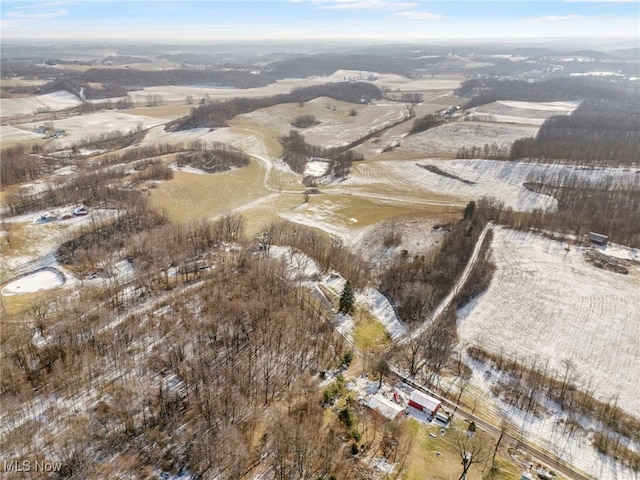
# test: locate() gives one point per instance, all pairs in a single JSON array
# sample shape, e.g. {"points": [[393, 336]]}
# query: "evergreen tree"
{"points": [[470, 210], [347, 299]]}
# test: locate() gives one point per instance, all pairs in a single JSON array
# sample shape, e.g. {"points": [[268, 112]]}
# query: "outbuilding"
{"points": [[425, 403], [598, 239]]}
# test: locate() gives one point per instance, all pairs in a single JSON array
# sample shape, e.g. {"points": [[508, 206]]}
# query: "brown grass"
{"points": [[191, 196], [369, 334]]}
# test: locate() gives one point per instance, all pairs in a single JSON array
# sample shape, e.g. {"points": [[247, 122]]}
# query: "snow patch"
{"points": [[45, 279]]}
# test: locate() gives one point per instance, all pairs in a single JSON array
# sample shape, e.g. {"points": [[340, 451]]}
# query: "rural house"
{"points": [[386, 407]]}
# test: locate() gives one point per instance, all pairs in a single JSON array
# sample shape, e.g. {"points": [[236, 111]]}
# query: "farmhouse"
{"points": [[386, 407], [598, 239], [424, 403]]}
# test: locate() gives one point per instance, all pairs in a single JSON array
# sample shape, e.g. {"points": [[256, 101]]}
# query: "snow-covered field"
{"points": [[56, 101], [394, 81], [371, 118], [552, 433], [172, 93], [547, 302], [79, 127], [452, 136], [500, 179], [326, 216], [528, 113], [11, 135]]}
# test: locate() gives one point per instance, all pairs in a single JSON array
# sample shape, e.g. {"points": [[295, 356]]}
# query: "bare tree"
{"points": [[472, 449], [504, 429]]}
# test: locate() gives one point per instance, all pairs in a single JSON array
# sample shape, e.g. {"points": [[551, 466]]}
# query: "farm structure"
{"points": [[386, 407], [424, 403], [598, 239]]}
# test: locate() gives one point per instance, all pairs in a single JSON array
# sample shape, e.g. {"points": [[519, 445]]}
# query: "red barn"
{"points": [[424, 403]]}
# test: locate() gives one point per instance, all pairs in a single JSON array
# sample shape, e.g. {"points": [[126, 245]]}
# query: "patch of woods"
{"points": [[94, 189], [425, 123], [216, 114], [116, 82], [329, 253], [482, 91], [527, 387], [583, 206], [84, 252], [417, 292], [23, 164], [417, 285], [603, 131], [600, 132], [297, 153], [216, 368], [18, 165], [213, 158], [304, 121], [328, 63]]}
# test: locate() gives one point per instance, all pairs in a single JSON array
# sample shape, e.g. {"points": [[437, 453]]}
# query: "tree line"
{"points": [[526, 387], [216, 157], [425, 123], [600, 132], [583, 206], [116, 82], [297, 153], [487, 90], [328, 63], [417, 285]]}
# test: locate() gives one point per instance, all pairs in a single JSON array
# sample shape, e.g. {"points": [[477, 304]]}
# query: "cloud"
{"points": [[553, 18], [362, 4], [37, 16], [411, 15]]}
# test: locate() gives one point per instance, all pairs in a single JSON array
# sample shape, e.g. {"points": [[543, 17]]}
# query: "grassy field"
{"points": [[369, 334], [436, 458], [14, 305], [191, 196]]}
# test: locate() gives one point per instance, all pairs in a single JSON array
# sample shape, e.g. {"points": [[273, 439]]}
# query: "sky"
{"points": [[384, 20]]}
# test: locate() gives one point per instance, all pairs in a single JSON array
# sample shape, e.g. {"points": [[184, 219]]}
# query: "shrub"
{"points": [[304, 121], [346, 416], [347, 358]]}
